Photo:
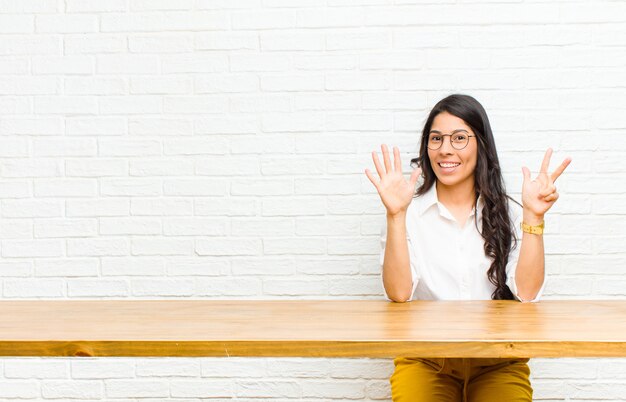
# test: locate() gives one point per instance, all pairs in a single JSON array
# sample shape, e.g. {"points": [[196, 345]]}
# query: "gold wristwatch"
{"points": [[538, 229]]}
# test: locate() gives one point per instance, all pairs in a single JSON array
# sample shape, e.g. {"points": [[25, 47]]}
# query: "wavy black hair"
{"points": [[497, 228]]}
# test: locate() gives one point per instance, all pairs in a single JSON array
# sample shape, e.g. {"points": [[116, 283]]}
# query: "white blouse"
{"points": [[448, 262]]}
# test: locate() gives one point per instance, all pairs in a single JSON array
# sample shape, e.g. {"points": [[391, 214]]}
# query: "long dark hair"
{"points": [[497, 228]]}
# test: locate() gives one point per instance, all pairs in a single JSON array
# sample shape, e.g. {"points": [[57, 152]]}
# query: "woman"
{"points": [[458, 238]]}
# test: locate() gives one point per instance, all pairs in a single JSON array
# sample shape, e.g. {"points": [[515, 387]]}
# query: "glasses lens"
{"points": [[434, 141], [459, 141]]}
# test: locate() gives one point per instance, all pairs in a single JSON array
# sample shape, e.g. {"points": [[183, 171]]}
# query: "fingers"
{"points": [[549, 189], [386, 158], [414, 176], [546, 161], [526, 173], [551, 197], [560, 169], [397, 165], [370, 176], [379, 168]]}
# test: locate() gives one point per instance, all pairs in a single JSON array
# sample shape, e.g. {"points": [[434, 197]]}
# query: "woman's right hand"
{"points": [[395, 191]]}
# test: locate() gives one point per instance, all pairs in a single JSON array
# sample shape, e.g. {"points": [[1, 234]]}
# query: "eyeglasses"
{"points": [[458, 140]]}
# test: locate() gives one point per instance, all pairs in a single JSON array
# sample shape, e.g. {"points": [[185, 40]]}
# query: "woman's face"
{"points": [[452, 166]]}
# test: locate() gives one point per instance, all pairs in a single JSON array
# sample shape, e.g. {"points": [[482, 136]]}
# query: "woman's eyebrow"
{"points": [[439, 132]]}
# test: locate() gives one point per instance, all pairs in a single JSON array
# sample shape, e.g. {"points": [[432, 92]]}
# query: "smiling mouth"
{"points": [[448, 165]]}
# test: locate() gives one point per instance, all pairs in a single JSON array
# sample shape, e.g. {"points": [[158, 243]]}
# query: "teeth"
{"points": [[449, 165]]}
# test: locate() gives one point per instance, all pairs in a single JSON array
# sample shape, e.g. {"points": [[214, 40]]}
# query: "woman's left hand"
{"points": [[540, 194]]}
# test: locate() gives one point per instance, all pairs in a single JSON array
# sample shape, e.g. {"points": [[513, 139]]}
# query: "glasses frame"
{"points": [[451, 143]]}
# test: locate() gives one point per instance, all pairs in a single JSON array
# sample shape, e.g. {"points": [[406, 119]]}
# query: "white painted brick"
{"points": [[358, 81], [261, 187], [151, 126], [170, 21], [292, 41], [327, 186], [132, 266], [94, 6], [283, 82], [32, 248], [353, 246], [228, 40], [226, 83], [65, 188], [129, 226], [16, 229], [194, 266], [16, 24], [327, 101], [297, 368], [569, 286], [16, 269], [126, 147], [31, 168], [30, 288], [329, 17], [97, 288], [267, 389], [30, 45], [127, 64], [66, 23], [29, 6], [326, 226], [97, 247], [264, 266], [142, 5], [100, 126], [174, 368], [296, 246], [357, 287], [38, 126], [15, 105], [355, 205], [232, 367], [194, 227], [31, 208], [267, 19], [194, 63], [353, 368], [92, 86], [161, 246], [97, 207], [101, 369], [359, 122], [136, 388], [325, 144], [195, 146], [93, 167], [30, 85], [226, 125], [63, 65], [260, 62], [295, 287], [291, 166], [195, 104], [293, 206], [72, 389], [162, 287], [161, 206], [204, 388], [160, 85], [227, 166], [195, 187], [66, 267], [292, 122], [225, 206], [228, 287], [326, 266], [262, 144], [67, 105], [261, 227], [61, 228], [22, 368], [161, 167], [96, 43], [260, 103], [19, 389], [157, 43], [345, 389], [325, 62], [358, 40], [228, 246], [136, 104], [64, 147]]}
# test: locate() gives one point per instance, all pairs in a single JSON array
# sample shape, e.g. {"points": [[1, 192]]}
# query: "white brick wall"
{"points": [[215, 149]]}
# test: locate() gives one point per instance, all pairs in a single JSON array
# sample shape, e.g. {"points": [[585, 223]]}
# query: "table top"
{"points": [[313, 328]]}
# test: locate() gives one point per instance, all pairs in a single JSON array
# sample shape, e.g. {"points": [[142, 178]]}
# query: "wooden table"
{"points": [[346, 328]]}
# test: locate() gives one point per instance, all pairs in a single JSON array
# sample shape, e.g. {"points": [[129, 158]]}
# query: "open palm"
{"points": [[395, 191], [540, 194]]}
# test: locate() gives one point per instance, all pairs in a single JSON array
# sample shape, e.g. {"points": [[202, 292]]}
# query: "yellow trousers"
{"points": [[460, 380]]}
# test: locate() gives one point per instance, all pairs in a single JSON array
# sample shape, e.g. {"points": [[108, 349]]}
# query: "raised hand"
{"points": [[540, 194], [395, 191]]}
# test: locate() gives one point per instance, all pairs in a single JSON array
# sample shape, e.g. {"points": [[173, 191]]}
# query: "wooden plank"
{"points": [[313, 328]]}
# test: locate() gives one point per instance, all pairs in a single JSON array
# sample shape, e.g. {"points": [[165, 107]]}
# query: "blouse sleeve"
{"points": [[412, 260], [511, 266]]}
